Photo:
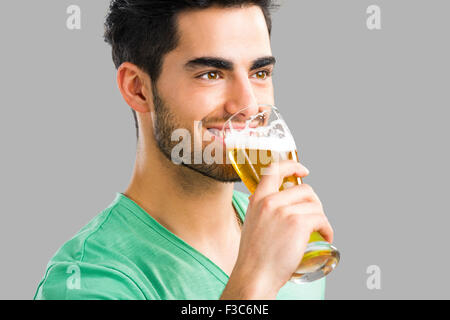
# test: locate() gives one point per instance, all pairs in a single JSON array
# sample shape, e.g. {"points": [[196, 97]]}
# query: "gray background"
{"points": [[368, 110]]}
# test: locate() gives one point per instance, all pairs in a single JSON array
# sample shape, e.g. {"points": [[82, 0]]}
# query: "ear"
{"points": [[134, 86]]}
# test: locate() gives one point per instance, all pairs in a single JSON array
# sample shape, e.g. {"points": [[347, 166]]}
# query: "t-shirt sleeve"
{"points": [[84, 281]]}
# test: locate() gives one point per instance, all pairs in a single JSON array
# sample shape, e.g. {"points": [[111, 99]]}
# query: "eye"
{"points": [[262, 75], [212, 75]]}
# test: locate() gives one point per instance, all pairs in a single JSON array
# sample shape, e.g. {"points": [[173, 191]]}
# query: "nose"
{"points": [[241, 95]]}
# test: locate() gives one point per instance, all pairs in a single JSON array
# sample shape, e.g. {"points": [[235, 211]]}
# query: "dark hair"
{"points": [[143, 31]]}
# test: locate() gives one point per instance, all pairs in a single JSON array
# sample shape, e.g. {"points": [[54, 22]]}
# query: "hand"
{"points": [[276, 231]]}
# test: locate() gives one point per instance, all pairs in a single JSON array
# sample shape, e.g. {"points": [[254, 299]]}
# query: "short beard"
{"points": [[165, 124]]}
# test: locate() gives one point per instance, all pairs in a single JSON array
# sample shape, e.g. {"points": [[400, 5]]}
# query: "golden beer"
{"points": [[253, 142], [250, 164]]}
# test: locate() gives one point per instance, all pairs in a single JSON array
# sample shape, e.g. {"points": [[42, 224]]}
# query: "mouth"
{"points": [[219, 130], [215, 132]]}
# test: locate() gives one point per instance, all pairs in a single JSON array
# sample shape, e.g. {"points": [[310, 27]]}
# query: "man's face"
{"points": [[223, 63]]}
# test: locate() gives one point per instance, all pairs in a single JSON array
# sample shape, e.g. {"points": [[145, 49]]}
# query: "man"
{"points": [[176, 232]]}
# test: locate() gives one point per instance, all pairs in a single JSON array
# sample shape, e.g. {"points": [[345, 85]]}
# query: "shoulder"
{"points": [[306, 291], [74, 280], [240, 200], [93, 265], [75, 248], [241, 196]]}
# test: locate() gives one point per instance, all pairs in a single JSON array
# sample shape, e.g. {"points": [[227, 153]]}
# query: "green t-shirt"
{"points": [[123, 253]]}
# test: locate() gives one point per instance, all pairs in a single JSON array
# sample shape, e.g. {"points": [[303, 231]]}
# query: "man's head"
{"points": [[191, 60]]}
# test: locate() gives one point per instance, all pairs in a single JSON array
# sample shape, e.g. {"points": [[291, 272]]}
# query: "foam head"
{"points": [[275, 137]]}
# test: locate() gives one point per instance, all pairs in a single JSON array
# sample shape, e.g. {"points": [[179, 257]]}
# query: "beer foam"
{"points": [[241, 140], [275, 137]]}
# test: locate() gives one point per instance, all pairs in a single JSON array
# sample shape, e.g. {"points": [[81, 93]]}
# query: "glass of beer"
{"points": [[253, 140]]}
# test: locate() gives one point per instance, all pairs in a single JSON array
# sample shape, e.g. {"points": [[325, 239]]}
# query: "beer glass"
{"points": [[253, 140]]}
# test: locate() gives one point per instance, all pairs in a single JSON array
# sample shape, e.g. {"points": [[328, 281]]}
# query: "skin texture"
{"points": [[194, 201]]}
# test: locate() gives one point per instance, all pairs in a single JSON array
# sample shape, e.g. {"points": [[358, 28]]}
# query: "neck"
{"points": [[196, 208]]}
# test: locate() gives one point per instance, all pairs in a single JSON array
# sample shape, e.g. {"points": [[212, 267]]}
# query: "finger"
{"points": [[320, 224], [273, 176], [308, 218], [304, 208], [297, 194]]}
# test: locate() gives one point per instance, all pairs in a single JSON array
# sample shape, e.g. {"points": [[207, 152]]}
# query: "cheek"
{"points": [[186, 103], [197, 102], [186, 98], [264, 93]]}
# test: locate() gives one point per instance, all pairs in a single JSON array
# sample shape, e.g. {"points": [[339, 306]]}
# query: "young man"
{"points": [[177, 232]]}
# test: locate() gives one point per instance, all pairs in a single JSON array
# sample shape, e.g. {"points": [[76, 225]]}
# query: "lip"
{"points": [[221, 127], [235, 127], [215, 138]]}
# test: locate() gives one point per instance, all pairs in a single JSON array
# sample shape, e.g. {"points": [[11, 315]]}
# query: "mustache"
{"points": [[207, 121], [213, 121]]}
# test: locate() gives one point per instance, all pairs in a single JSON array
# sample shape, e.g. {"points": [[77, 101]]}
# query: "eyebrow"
{"points": [[224, 64], [263, 62]]}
